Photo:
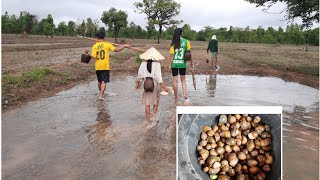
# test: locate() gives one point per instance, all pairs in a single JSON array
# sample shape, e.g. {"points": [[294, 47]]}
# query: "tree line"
{"points": [[118, 26]]}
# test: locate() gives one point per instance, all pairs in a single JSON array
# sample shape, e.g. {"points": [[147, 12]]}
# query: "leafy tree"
{"points": [[90, 27], [294, 34], [9, 24], [151, 30], [159, 12], [308, 10], [115, 20], [48, 26], [81, 28], [188, 33], [62, 28], [71, 28], [26, 21]]}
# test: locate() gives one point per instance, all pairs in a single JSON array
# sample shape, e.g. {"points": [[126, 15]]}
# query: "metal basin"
{"points": [[189, 134]]}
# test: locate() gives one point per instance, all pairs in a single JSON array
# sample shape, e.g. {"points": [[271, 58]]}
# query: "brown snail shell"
{"points": [[241, 177], [235, 148], [260, 129], [238, 168], [206, 128], [217, 136], [235, 132], [268, 127], [254, 153], [245, 168], [261, 159], [266, 168], [211, 160], [208, 146], [204, 154], [253, 170], [213, 152], [223, 177], [220, 150], [246, 132], [205, 169], [269, 159], [204, 136], [244, 140], [242, 156], [238, 142], [225, 168], [225, 134], [249, 119], [252, 162], [231, 119], [203, 143], [261, 176], [201, 162], [211, 140], [231, 172], [210, 133], [220, 144], [231, 141], [235, 125], [250, 145], [245, 151], [199, 148], [237, 116], [213, 171], [265, 134], [233, 160], [257, 119], [253, 135], [265, 142], [228, 149]]}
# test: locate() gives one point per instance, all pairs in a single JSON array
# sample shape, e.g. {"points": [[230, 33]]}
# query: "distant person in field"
{"points": [[177, 63], [150, 73], [100, 52], [213, 48]]}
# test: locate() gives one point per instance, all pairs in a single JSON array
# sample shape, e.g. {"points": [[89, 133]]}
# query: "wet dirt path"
{"points": [[74, 136]]}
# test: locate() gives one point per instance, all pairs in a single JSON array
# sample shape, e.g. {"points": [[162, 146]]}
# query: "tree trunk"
{"points": [[115, 35], [160, 32]]}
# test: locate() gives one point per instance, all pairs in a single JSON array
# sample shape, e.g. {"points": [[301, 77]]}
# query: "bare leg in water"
{"points": [[155, 110], [148, 114], [175, 87], [102, 87], [184, 88]]}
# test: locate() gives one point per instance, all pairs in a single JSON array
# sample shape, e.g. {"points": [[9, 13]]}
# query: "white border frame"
{"points": [[227, 110]]}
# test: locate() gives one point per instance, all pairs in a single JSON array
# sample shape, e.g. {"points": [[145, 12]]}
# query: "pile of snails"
{"points": [[238, 147]]}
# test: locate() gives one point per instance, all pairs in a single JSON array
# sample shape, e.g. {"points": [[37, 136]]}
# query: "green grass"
{"points": [[27, 79], [137, 59]]}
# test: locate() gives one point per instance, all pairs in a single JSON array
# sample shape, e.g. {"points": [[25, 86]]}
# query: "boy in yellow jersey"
{"points": [[100, 52]]}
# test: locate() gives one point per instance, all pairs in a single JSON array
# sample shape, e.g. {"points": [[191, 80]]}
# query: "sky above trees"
{"points": [[215, 13]]}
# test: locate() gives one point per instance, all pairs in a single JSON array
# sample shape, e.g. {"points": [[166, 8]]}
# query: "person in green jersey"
{"points": [[213, 48], [177, 63]]}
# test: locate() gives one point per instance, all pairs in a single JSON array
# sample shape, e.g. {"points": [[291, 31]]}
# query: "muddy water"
{"points": [[74, 136]]}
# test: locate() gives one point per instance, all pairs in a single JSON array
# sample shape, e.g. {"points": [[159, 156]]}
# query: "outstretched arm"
{"points": [[120, 48]]}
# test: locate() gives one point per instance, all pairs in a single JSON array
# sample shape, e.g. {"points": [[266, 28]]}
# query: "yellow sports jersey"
{"points": [[100, 51]]}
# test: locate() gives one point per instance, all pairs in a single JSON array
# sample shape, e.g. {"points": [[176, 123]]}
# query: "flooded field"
{"points": [[74, 136]]}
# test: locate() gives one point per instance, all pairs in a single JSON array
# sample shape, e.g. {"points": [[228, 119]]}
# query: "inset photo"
{"points": [[229, 142]]}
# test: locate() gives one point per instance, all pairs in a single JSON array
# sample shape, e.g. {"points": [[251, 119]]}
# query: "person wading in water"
{"points": [[150, 73], [177, 62]]}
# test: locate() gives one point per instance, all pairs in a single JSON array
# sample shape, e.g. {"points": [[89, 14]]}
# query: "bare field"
{"points": [[62, 55]]}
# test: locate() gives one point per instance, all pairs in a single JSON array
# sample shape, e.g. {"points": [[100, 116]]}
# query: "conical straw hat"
{"points": [[151, 54]]}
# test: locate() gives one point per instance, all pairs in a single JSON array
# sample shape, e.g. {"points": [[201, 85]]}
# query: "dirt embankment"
{"points": [[37, 66]]}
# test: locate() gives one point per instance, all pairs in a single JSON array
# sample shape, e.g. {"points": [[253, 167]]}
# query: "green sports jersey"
{"points": [[178, 54]]}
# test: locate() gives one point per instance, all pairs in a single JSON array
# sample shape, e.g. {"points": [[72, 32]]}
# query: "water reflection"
{"points": [[102, 132], [211, 84]]}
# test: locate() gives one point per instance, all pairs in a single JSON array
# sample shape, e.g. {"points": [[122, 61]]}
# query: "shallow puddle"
{"points": [[74, 136]]}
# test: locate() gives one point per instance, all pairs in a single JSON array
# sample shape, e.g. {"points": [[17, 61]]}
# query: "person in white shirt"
{"points": [[150, 73]]}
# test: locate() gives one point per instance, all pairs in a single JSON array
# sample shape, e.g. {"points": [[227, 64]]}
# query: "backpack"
{"points": [[148, 85]]}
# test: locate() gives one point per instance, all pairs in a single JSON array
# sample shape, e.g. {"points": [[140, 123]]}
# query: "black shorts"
{"points": [[103, 75], [176, 71]]}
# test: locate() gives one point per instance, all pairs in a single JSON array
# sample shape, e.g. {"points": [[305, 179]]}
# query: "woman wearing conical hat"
{"points": [[150, 74]]}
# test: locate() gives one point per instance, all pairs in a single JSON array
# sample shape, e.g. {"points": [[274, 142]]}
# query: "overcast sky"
{"points": [[215, 13]]}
